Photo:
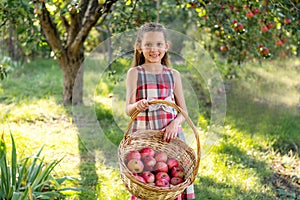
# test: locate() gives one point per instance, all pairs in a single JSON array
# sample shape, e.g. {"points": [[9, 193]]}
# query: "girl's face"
{"points": [[154, 47]]}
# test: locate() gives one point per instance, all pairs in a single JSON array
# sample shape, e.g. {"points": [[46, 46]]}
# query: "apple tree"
{"points": [[66, 25], [248, 29]]}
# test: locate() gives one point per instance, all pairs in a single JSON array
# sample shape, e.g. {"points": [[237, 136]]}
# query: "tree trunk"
{"points": [[70, 65], [69, 51]]}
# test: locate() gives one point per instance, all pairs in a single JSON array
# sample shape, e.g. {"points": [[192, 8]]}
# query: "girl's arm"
{"points": [[172, 128], [131, 84]]}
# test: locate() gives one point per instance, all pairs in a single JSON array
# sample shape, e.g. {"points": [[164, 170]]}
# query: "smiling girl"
{"points": [[152, 77]]}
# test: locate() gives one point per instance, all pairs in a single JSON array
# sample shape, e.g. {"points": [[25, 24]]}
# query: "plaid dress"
{"points": [[158, 86]]}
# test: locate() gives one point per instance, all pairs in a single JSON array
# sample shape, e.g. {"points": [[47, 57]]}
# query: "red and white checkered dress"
{"points": [[158, 86]]}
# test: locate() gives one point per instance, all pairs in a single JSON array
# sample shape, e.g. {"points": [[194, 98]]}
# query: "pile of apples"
{"points": [[154, 168]]}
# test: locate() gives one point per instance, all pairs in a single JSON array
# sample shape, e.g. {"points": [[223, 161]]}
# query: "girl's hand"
{"points": [[170, 131], [142, 105]]}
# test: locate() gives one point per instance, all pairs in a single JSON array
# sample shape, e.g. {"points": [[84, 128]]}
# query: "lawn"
{"points": [[256, 154]]}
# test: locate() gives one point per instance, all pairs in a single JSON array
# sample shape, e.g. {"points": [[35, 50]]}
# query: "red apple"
{"points": [[234, 21], [161, 167], [223, 48], [148, 176], [140, 178], [270, 25], [161, 156], [176, 180], [279, 43], [36, 11], [135, 165], [246, 6], [147, 151], [249, 14], [133, 154], [177, 172], [284, 40], [256, 11], [264, 29], [264, 51], [172, 162], [287, 21], [149, 163], [162, 183], [162, 175], [240, 27]]}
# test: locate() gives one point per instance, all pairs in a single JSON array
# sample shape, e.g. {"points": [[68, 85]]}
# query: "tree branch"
{"points": [[50, 30], [95, 12]]}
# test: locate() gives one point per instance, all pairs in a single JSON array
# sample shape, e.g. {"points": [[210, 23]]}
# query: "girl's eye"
{"points": [[148, 45], [160, 44]]}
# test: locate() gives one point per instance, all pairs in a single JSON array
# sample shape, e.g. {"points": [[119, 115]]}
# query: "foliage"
{"points": [[7, 65], [28, 179], [21, 36], [247, 30]]}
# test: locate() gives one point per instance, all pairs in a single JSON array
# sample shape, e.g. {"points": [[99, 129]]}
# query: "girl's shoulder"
{"points": [[133, 71], [174, 71]]}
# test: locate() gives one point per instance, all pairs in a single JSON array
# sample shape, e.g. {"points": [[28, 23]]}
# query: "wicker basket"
{"points": [[177, 148]]}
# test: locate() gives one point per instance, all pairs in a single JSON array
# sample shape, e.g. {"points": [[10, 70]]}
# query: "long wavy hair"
{"points": [[139, 58]]}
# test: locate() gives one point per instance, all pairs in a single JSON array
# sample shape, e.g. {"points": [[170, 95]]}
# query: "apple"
{"points": [[256, 11], [287, 21], [162, 175], [249, 14], [172, 162], [161, 156], [135, 165], [279, 43], [284, 40], [147, 151], [176, 180], [133, 154], [270, 25], [161, 167], [240, 27], [264, 51], [36, 11], [246, 6], [162, 183], [148, 176], [149, 163], [223, 48], [264, 29], [234, 21], [140, 178], [177, 172]]}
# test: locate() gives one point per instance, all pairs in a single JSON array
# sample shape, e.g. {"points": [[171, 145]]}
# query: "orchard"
{"points": [[249, 30]]}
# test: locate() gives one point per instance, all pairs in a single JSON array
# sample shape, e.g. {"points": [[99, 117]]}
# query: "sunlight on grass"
{"points": [[259, 142], [277, 82], [34, 110]]}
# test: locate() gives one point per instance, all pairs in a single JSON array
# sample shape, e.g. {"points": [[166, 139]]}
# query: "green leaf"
{"points": [[13, 161]]}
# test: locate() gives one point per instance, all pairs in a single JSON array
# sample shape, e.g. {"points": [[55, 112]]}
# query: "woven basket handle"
{"points": [[185, 115]]}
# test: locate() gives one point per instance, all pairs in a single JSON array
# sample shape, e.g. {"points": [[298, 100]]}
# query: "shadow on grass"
{"points": [[285, 186], [94, 148], [208, 189], [265, 117]]}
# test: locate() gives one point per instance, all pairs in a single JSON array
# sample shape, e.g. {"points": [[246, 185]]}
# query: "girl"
{"points": [[152, 78]]}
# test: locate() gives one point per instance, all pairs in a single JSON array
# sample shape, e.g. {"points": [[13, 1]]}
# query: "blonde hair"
{"points": [[139, 58]]}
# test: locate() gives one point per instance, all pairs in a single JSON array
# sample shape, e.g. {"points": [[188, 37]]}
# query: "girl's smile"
{"points": [[153, 47]]}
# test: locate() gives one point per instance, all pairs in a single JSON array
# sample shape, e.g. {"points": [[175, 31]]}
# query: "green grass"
{"points": [[256, 155]]}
